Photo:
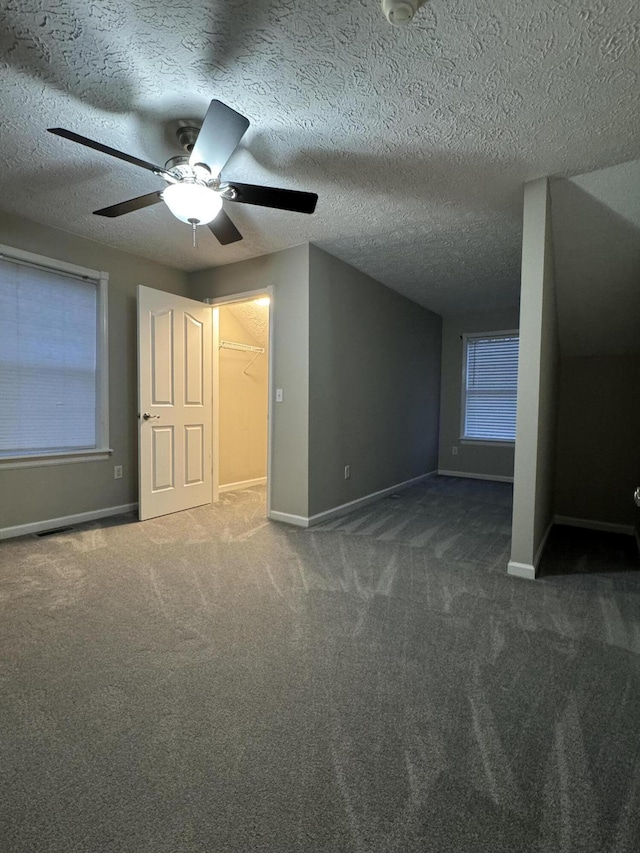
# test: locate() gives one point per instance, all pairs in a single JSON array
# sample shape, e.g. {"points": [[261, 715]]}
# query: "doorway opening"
{"points": [[241, 394]]}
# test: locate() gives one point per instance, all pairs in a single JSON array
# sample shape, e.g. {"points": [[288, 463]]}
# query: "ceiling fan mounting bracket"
{"points": [[187, 135]]}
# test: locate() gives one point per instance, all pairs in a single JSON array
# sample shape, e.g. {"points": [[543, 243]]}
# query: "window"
{"points": [[53, 365], [490, 387]]}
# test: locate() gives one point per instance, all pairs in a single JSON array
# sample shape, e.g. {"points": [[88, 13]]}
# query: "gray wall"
{"points": [[487, 460], [537, 385], [596, 226], [598, 460], [36, 494], [288, 273], [596, 232], [374, 383]]}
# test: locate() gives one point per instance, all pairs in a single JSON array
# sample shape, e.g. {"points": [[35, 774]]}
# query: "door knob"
{"points": [[149, 417], [636, 496]]}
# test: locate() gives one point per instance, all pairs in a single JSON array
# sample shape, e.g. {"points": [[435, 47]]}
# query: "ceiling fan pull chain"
{"points": [[194, 224]]}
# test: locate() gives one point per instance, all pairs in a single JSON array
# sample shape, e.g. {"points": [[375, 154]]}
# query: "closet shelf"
{"points": [[242, 348]]}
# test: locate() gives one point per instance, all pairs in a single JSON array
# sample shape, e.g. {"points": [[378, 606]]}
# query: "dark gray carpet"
{"points": [[572, 550], [211, 681]]}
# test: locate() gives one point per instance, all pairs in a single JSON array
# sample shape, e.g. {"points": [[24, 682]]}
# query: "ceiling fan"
{"points": [[195, 190]]}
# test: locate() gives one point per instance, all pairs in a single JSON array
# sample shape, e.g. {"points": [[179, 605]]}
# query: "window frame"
{"points": [[101, 450], [484, 442]]}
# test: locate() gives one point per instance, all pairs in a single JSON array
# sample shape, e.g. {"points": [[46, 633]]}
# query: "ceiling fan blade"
{"points": [[300, 202], [221, 131], [106, 149], [224, 229], [129, 206]]}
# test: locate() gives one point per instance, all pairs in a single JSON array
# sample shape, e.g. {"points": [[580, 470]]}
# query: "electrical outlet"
{"points": [[347, 472], [454, 451], [117, 472]]}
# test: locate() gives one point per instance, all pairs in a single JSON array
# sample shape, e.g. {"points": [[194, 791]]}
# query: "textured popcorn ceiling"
{"points": [[254, 318], [417, 139]]}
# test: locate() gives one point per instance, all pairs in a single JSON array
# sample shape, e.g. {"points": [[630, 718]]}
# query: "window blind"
{"points": [[491, 388], [48, 360]]}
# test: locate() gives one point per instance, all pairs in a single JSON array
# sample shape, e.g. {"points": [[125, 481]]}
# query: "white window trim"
{"points": [[485, 442], [102, 449]]}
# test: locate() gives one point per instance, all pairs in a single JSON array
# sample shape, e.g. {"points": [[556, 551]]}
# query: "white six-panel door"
{"points": [[175, 403]]}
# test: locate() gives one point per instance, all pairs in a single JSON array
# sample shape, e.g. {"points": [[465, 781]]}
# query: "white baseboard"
{"points": [[591, 524], [343, 509], [65, 521], [521, 570], [530, 570], [288, 518], [242, 484], [498, 478]]}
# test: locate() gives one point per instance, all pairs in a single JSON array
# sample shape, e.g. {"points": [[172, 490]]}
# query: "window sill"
{"points": [[487, 442], [39, 461]]}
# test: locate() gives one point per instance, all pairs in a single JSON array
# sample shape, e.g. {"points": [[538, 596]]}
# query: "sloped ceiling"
{"points": [[596, 234], [254, 318], [417, 139]]}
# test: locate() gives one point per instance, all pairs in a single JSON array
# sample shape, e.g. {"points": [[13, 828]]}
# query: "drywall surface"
{"points": [[36, 494], [598, 460], [484, 459], [596, 232], [548, 394], [537, 382], [596, 227], [288, 273], [374, 384], [243, 398]]}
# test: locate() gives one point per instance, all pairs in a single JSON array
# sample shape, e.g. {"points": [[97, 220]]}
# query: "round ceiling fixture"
{"points": [[401, 11], [192, 203]]}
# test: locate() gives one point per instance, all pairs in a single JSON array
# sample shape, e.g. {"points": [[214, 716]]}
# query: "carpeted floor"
{"points": [[211, 681]]}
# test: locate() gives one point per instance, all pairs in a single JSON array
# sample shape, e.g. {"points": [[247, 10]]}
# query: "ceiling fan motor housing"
{"points": [[174, 162]]}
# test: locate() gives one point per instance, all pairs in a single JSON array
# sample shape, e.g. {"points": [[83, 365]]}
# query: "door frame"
{"points": [[217, 302]]}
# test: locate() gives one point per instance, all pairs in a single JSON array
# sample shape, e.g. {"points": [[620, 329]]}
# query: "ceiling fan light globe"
{"points": [[192, 202]]}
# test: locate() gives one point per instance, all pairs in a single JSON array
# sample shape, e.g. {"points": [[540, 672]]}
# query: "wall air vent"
{"points": [[53, 532]]}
